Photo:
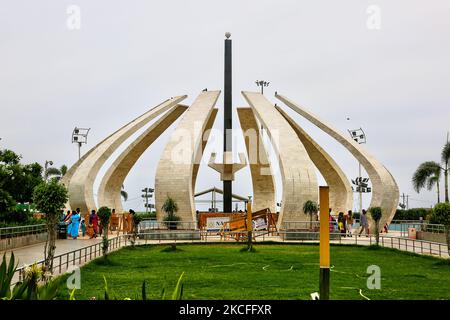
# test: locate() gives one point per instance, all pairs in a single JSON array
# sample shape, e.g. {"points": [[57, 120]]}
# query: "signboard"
{"points": [[216, 223], [259, 224]]}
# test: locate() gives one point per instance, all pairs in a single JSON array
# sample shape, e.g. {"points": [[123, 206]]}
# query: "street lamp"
{"points": [[47, 162], [262, 84], [79, 136], [361, 184]]}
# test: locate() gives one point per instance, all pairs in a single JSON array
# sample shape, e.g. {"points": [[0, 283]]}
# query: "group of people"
{"points": [[75, 223], [345, 223]]}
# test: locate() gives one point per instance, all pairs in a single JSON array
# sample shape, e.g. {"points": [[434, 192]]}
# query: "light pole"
{"points": [[79, 136], [262, 84], [47, 162], [361, 184], [147, 193]]}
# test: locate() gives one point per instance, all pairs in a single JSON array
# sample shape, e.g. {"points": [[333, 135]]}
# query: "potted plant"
{"points": [[170, 207]]}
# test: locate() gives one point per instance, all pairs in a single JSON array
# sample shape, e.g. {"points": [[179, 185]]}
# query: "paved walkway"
{"points": [[33, 253]]}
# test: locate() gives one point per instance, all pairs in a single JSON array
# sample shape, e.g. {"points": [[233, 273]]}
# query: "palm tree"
{"points": [[56, 173], [427, 175], [170, 207], [376, 214], [445, 158], [124, 194], [310, 207]]}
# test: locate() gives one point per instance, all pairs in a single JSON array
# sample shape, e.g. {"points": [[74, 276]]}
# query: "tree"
{"points": [[104, 213], [427, 175], [310, 208], [376, 214], [56, 173], [170, 207], [16, 179], [445, 158], [441, 215], [50, 198]]}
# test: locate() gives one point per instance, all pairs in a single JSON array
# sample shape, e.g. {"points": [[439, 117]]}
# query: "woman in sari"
{"points": [[74, 225]]}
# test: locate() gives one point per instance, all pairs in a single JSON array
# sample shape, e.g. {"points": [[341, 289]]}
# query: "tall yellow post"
{"points": [[324, 278]]}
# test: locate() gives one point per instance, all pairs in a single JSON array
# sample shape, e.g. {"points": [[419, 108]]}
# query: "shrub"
{"points": [[412, 214], [104, 213], [441, 215], [6, 202]]}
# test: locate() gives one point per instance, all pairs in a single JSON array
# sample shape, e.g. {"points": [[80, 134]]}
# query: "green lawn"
{"points": [[274, 271]]}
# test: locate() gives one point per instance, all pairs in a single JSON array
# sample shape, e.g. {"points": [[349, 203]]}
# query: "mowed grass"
{"points": [[274, 271]]}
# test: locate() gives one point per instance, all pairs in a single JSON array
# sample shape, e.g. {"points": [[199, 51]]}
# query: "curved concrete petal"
{"points": [[341, 193], [81, 183], [199, 154], [109, 190], [260, 169], [297, 170], [175, 169], [385, 193]]}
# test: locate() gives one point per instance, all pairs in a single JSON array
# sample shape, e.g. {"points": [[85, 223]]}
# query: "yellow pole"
{"points": [[249, 224], [324, 279]]}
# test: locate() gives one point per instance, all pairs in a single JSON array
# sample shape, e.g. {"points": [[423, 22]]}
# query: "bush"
{"points": [[16, 217], [441, 214], [412, 214], [150, 215], [7, 203]]}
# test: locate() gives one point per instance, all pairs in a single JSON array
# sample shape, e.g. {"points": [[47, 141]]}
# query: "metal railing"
{"points": [[20, 231], [149, 224], [62, 262]]}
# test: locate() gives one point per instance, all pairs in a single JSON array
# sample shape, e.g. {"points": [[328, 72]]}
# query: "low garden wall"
{"points": [[172, 235], [21, 241], [431, 236]]}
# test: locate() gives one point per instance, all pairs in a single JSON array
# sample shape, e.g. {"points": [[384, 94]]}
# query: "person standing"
{"points": [[364, 223], [83, 228], [93, 220], [74, 225], [349, 223], [341, 223]]}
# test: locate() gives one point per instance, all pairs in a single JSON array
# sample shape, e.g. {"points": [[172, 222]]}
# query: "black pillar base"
{"points": [[324, 283]]}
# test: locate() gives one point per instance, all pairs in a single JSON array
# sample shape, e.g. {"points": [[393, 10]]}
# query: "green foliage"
{"points": [[17, 179], [149, 215], [50, 198], [31, 288], [220, 271], [412, 214], [426, 175], [137, 218], [441, 214], [104, 213], [9, 157], [445, 155], [375, 213], [6, 274], [178, 291], [7, 203], [170, 207]]}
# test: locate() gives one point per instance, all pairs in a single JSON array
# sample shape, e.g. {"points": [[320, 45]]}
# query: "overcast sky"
{"points": [[389, 73]]}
